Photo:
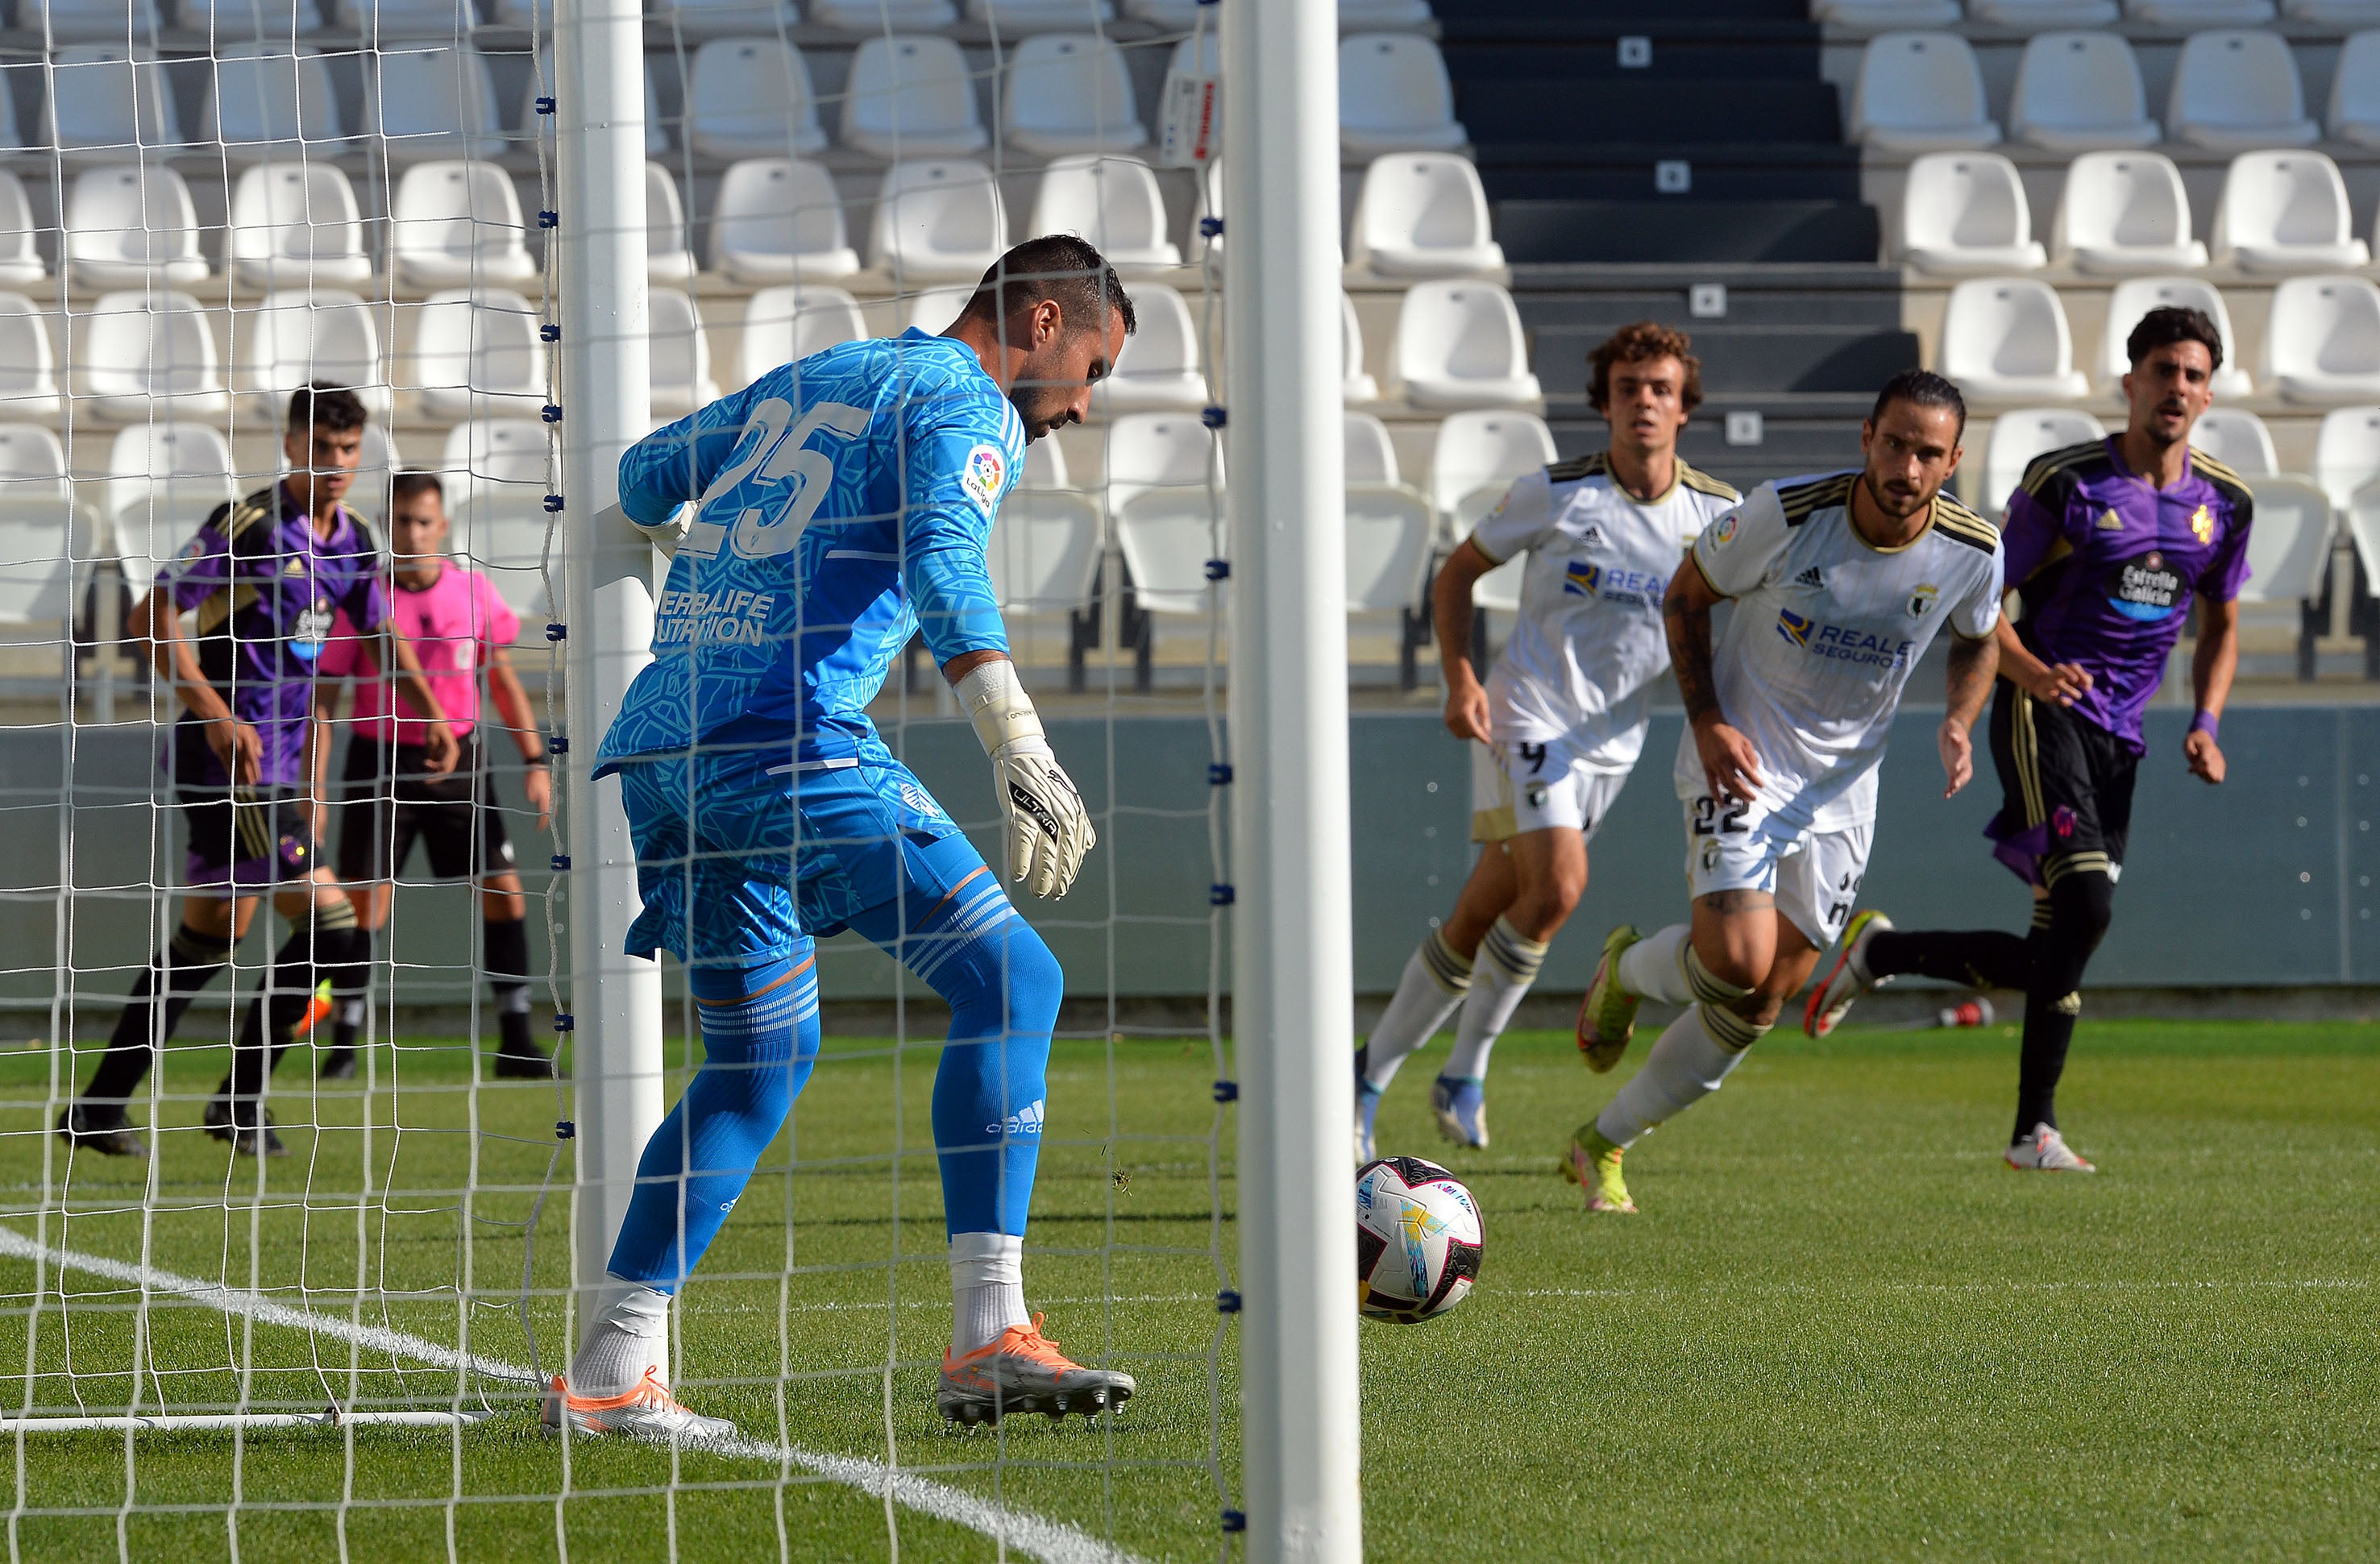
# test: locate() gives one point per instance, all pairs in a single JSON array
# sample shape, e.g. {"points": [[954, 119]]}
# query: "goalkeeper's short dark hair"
{"points": [[1920, 388], [1055, 266], [321, 404], [2167, 324]]}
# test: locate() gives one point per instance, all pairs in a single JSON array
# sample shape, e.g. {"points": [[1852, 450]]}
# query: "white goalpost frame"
{"points": [[1292, 956]]}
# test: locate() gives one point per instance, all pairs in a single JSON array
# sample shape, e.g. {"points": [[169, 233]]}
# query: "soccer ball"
{"points": [[1417, 1240]]}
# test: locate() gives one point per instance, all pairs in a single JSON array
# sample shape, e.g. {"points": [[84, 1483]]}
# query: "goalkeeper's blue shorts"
{"points": [[741, 854]]}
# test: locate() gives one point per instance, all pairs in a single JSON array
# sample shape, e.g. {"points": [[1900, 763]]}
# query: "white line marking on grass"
{"points": [[1054, 1542], [1801, 1289]]}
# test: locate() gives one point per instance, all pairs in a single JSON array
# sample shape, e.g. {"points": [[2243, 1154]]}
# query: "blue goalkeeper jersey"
{"points": [[843, 502]]}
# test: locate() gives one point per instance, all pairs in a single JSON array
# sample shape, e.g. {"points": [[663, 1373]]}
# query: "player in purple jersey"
{"points": [[2109, 543], [262, 581]]}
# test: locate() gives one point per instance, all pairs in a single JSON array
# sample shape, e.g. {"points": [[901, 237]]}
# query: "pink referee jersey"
{"points": [[455, 624]]}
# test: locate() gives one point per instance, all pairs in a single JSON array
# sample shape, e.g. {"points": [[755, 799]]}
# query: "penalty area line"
{"points": [[1053, 1542]]}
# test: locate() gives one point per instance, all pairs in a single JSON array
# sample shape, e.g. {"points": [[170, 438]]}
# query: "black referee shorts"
{"points": [[2067, 789], [390, 800]]}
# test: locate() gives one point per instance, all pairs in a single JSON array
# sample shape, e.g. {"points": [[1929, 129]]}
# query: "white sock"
{"points": [[1508, 964], [631, 1334], [1435, 981], [1653, 968], [986, 1289], [1686, 1065]]}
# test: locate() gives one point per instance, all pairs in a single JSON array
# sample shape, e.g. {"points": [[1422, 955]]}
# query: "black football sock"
{"points": [[2080, 905], [188, 964], [507, 958], [318, 944], [1974, 958]]}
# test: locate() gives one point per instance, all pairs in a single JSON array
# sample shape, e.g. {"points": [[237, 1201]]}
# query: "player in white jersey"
{"points": [[1839, 583], [1560, 722]]}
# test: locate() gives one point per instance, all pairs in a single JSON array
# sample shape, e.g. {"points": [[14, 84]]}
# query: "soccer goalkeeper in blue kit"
{"points": [[839, 505]]}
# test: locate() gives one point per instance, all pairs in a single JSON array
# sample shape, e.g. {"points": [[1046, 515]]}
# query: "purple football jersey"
{"points": [[265, 587], [2108, 565]]}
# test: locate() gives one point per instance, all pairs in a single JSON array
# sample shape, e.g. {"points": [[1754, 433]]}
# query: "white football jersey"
{"points": [[1824, 631], [1589, 638]]}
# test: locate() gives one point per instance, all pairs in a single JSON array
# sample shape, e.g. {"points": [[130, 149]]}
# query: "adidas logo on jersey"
{"points": [[1591, 538], [1025, 1121], [1810, 578]]}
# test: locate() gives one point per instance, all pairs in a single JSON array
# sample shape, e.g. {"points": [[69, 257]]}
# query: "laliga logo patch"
{"points": [[1921, 600], [984, 476], [1793, 626], [1722, 531]]}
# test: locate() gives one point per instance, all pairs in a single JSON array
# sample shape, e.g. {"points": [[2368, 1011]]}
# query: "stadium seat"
{"points": [[2321, 340], [1356, 15], [2284, 211], [1388, 547], [1172, 16], [725, 18], [1163, 511], [1395, 96], [1475, 457], [911, 97], [1159, 368], [668, 257], [432, 102], [456, 224], [1355, 383], [1113, 201], [2135, 296], [104, 101], [1045, 467], [20, 255], [1921, 92], [1044, 556], [2288, 547], [44, 541], [932, 311], [477, 355], [163, 478], [1069, 92], [495, 472], [495, 451], [1371, 456], [297, 336], [296, 224], [1011, 17], [750, 97], [2239, 440], [11, 139], [777, 218], [681, 354], [2346, 453], [2235, 93], [29, 369], [938, 222], [90, 21], [786, 324], [379, 20], [1884, 16], [2124, 212], [265, 101], [227, 20], [1147, 451], [132, 224], [2021, 434], [1423, 214], [884, 16], [2354, 113], [2079, 92], [1966, 212], [2033, 15], [2005, 340], [2200, 12], [1459, 344], [141, 355]]}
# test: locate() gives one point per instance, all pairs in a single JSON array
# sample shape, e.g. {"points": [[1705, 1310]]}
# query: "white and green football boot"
{"points": [[1607, 1017], [1592, 1164]]}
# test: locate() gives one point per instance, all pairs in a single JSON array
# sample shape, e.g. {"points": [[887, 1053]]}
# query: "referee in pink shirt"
{"points": [[458, 624]]}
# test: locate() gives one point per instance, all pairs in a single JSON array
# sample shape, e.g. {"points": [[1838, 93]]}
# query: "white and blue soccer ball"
{"points": [[1418, 1239]]}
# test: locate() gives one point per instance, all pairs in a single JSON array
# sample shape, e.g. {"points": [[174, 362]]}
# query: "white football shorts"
{"points": [[1815, 875], [1520, 787]]}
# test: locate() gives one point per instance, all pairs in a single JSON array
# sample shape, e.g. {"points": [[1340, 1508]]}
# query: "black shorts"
{"points": [[2067, 789], [391, 800], [246, 840]]}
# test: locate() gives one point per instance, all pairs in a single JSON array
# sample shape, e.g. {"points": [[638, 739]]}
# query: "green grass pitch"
{"points": [[1839, 1329]]}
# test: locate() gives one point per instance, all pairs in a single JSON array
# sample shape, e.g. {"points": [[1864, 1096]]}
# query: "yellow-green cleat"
{"points": [[1592, 1164], [1607, 1017]]}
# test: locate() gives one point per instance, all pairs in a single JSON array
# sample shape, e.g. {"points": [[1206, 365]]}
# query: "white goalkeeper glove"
{"points": [[1049, 832]]}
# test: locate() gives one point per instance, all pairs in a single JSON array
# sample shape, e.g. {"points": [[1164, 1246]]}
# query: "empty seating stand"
{"points": [[2081, 93], [1966, 212], [2124, 212], [1921, 92], [2005, 340]]}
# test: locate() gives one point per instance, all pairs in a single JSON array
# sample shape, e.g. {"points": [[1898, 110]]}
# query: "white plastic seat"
{"points": [[266, 101], [777, 218], [2354, 111], [2021, 435], [229, 20], [1159, 368], [432, 102], [496, 472], [668, 259], [44, 541], [1395, 96], [1459, 344], [104, 100], [1388, 550], [141, 355], [2005, 340], [751, 97], [163, 478], [11, 139], [132, 224], [725, 18], [1044, 467], [1476, 457], [2288, 547], [1161, 508], [1966, 212], [786, 324], [1043, 554], [1882, 15], [2201, 13], [483, 452], [28, 368], [934, 310], [2135, 296], [1113, 201], [2238, 91], [884, 16], [1147, 451], [1013, 18], [1355, 383], [2285, 212], [939, 220], [911, 97], [2346, 453], [2239, 440], [2079, 92], [20, 255], [1069, 92], [2321, 340], [1371, 456], [294, 336], [2124, 212], [391, 19], [1921, 92], [681, 355], [1423, 214], [2033, 15], [89, 21], [477, 355], [1356, 15], [454, 224], [296, 224]]}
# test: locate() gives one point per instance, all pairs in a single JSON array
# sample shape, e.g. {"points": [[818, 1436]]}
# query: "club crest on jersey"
{"points": [[2110, 522], [1581, 579], [983, 476], [2201, 523], [1710, 854], [1922, 600]]}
